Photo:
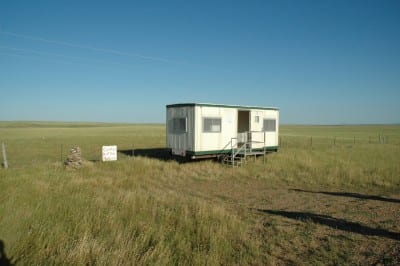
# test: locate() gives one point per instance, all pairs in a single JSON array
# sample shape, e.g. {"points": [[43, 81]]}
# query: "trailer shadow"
{"points": [[162, 154], [351, 195], [156, 153], [334, 223]]}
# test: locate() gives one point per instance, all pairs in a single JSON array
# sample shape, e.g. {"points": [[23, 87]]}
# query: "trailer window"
{"points": [[269, 125], [178, 125], [211, 124]]}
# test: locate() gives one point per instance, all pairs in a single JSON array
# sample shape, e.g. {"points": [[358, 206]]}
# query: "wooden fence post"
{"points": [[61, 153], [3, 149]]}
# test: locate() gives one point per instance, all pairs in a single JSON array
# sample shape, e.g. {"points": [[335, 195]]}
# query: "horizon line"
{"points": [[163, 123]]}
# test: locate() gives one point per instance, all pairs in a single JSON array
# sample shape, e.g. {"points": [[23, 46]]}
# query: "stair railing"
{"points": [[246, 145]]}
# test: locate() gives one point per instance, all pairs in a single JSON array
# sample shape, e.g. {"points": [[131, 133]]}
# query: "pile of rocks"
{"points": [[74, 159]]}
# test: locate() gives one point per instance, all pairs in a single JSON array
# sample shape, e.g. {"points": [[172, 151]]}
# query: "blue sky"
{"points": [[320, 62]]}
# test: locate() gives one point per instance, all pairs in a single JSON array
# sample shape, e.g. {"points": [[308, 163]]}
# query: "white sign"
{"points": [[109, 153]]}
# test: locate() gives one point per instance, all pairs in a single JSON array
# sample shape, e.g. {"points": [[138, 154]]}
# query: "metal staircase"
{"points": [[240, 148]]}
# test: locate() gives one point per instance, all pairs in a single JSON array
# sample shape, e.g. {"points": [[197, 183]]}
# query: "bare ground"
{"points": [[318, 225]]}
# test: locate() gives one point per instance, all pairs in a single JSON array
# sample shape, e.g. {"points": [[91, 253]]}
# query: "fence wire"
{"points": [[22, 153]]}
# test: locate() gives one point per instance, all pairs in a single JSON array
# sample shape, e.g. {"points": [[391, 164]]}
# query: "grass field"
{"points": [[330, 196]]}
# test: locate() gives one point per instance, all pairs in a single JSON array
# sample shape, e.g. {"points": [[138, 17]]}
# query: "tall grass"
{"points": [[115, 214], [362, 166], [142, 210]]}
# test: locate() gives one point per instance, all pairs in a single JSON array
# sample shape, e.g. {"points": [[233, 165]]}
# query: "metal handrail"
{"points": [[256, 141], [229, 143], [250, 141], [235, 150], [238, 150]]}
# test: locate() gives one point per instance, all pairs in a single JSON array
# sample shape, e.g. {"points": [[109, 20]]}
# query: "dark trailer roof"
{"points": [[220, 105]]}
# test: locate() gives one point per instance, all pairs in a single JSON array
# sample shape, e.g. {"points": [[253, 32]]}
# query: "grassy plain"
{"points": [[329, 201]]}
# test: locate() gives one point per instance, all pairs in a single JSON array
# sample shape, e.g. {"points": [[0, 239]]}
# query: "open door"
{"points": [[243, 126]]}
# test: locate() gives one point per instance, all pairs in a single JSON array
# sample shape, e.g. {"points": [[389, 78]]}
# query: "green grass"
{"points": [[147, 211], [341, 135]]}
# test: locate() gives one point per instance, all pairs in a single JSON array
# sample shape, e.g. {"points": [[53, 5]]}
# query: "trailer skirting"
{"points": [[196, 154]]}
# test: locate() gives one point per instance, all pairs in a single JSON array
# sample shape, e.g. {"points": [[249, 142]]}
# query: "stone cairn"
{"points": [[74, 159]]}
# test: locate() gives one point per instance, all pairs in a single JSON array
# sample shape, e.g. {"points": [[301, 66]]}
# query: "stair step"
{"points": [[236, 161]]}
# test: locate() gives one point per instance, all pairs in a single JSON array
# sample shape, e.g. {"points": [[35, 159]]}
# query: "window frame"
{"points": [[265, 124], [176, 127], [212, 124]]}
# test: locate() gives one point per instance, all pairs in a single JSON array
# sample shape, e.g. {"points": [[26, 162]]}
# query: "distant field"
{"points": [[359, 131], [331, 195], [336, 135]]}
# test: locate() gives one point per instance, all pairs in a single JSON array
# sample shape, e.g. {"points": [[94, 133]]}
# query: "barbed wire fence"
{"points": [[28, 154], [303, 141]]}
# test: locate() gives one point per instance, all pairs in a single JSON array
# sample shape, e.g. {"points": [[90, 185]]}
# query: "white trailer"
{"points": [[197, 129]]}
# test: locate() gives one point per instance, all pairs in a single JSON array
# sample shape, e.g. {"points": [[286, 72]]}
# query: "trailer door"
{"points": [[256, 129]]}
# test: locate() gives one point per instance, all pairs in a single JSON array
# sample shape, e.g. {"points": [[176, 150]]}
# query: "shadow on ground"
{"points": [[162, 154], [351, 195], [334, 223], [156, 153], [4, 260]]}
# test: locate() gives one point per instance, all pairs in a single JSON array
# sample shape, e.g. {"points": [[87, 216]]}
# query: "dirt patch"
{"points": [[340, 226]]}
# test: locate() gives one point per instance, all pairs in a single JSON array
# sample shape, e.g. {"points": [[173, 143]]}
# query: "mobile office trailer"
{"points": [[197, 129]]}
